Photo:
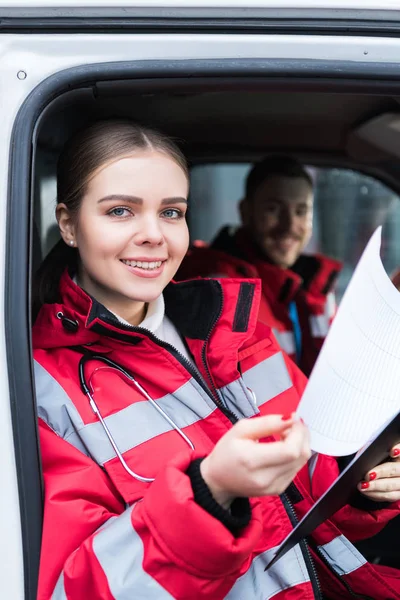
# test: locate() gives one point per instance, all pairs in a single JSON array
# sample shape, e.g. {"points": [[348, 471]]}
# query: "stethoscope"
{"points": [[89, 393]]}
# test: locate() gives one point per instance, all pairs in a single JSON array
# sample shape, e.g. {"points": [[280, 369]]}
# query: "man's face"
{"points": [[279, 218]]}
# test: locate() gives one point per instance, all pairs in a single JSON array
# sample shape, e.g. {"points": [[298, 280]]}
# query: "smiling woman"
{"points": [[157, 482], [122, 206], [130, 231]]}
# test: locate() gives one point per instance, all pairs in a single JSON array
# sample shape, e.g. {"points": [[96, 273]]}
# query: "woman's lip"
{"points": [[144, 259], [146, 273]]}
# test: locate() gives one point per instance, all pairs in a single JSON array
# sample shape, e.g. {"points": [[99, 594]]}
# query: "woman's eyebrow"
{"points": [[138, 201], [123, 197], [174, 199]]}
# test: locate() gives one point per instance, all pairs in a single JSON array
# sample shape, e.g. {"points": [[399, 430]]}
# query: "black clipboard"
{"points": [[339, 493]]}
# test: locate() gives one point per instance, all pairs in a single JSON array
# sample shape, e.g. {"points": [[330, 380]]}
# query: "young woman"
{"points": [[158, 483]]}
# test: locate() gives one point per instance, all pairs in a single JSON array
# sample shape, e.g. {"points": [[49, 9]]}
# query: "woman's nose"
{"points": [[149, 232]]}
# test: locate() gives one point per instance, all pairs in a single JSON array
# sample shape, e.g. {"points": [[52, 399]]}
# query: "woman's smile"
{"points": [[145, 268]]}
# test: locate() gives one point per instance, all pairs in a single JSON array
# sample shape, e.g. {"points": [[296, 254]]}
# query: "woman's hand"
{"points": [[382, 484], [241, 466]]}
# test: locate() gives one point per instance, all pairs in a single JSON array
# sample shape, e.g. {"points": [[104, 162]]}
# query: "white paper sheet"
{"points": [[355, 385]]}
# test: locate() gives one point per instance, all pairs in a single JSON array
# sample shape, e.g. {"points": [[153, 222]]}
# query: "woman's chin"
{"points": [[146, 296]]}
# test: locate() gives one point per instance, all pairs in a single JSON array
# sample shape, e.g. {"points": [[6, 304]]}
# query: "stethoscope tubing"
{"points": [[89, 393]]}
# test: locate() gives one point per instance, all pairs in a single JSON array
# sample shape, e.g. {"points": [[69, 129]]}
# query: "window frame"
{"points": [[315, 74]]}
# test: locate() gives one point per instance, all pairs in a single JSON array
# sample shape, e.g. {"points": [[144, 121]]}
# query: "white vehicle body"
{"points": [[31, 60]]}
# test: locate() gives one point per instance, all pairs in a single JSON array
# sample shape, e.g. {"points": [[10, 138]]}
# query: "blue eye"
{"points": [[119, 211], [172, 213]]}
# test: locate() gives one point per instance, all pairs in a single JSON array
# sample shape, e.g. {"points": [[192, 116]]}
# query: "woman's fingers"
{"points": [[383, 471], [387, 469], [391, 484], [382, 484], [293, 449], [261, 427], [395, 452], [388, 490]]}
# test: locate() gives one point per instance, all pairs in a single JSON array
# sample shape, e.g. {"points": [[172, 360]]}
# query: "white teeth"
{"points": [[142, 264]]}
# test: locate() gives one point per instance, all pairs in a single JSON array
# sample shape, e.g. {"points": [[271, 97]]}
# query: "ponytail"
{"points": [[46, 280]]}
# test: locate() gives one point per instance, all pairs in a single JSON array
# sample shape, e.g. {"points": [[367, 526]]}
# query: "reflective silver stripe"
{"points": [[140, 422], [312, 463], [319, 326], [330, 306], [119, 550], [257, 584], [343, 557], [129, 427], [268, 379], [59, 590], [239, 399], [56, 408], [286, 341]]}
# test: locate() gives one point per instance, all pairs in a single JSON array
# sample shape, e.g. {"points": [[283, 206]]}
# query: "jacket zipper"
{"points": [[312, 571], [227, 412], [189, 366], [346, 585], [213, 394], [310, 562]]}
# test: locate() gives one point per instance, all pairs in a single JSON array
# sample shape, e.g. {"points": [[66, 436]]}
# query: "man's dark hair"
{"points": [[271, 166]]}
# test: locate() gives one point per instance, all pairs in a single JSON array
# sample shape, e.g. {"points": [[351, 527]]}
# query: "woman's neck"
{"points": [[132, 311], [131, 315]]}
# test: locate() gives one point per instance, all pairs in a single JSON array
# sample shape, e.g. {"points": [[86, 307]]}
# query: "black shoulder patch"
{"points": [[243, 307], [293, 493], [329, 282]]}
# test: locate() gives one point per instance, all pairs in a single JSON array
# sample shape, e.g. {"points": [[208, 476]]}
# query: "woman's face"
{"points": [[131, 231]]}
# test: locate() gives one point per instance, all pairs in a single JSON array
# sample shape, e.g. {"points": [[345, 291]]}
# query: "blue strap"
{"points": [[294, 317]]}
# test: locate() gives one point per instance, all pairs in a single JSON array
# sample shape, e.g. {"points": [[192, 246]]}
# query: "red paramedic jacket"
{"points": [[309, 284], [107, 535]]}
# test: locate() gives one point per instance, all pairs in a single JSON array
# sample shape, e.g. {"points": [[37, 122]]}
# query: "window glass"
{"points": [[348, 207]]}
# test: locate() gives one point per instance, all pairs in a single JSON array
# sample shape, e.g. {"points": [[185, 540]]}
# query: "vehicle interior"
{"points": [[349, 137], [349, 141]]}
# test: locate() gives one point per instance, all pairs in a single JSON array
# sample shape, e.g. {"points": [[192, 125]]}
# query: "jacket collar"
{"points": [[314, 274], [195, 307]]}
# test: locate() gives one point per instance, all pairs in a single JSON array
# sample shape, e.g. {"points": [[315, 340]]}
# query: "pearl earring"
{"points": [[71, 242]]}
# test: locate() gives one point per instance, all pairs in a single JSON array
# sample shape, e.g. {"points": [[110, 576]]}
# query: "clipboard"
{"points": [[339, 493]]}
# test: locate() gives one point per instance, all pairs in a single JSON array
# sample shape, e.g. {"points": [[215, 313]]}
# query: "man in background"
{"points": [[277, 214]]}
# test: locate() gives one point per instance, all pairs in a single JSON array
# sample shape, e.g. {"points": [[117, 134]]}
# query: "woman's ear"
{"points": [[66, 224]]}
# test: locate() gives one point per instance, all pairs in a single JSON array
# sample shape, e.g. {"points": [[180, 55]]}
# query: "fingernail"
{"points": [[396, 452], [364, 485], [372, 476], [268, 439], [286, 417]]}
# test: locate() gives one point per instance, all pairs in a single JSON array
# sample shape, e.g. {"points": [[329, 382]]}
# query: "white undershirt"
{"points": [[158, 323]]}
